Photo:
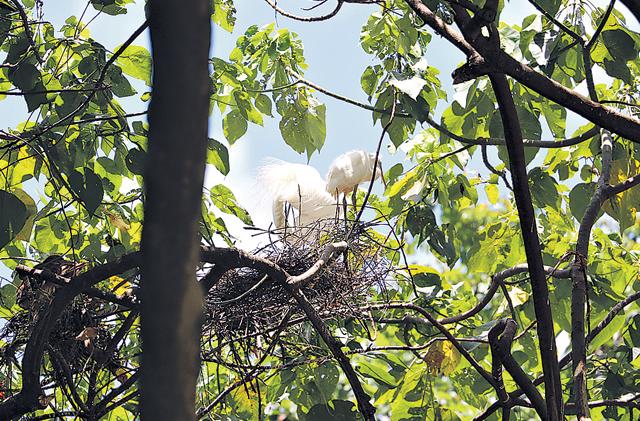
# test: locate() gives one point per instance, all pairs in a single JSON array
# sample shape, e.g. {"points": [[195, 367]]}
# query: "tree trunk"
{"points": [[171, 298]]}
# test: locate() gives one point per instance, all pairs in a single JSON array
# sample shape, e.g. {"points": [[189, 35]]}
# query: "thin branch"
{"points": [[556, 22], [375, 166], [99, 81], [622, 186], [603, 22], [284, 13]]}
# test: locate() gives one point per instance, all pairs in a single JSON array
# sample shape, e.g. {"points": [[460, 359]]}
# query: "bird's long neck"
{"points": [[279, 217]]}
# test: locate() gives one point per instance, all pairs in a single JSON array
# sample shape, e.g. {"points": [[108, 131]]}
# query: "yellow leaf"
{"points": [[418, 269], [246, 399], [32, 210], [135, 232], [121, 374], [442, 358], [23, 166], [118, 285], [518, 296], [118, 222], [492, 193]]}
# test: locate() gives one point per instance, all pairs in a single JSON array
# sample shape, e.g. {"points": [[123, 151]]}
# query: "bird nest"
{"points": [[243, 311], [245, 306], [80, 334]]}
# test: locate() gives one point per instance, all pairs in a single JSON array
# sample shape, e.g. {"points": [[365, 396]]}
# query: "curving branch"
{"points": [[336, 9], [579, 281], [625, 185], [496, 280], [500, 338], [445, 332], [564, 361], [328, 254], [27, 399], [634, 7]]}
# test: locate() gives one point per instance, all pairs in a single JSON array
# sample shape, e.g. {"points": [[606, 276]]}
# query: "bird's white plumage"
{"points": [[299, 185], [350, 169]]}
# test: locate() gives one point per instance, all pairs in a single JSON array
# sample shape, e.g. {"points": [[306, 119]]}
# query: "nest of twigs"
{"points": [[243, 311], [246, 305], [77, 335]]}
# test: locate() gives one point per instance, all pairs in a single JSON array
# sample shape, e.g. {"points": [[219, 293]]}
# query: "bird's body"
{"points": [[350, 169], [300, 186]]}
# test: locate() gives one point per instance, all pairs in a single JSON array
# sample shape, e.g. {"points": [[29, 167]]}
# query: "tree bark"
{"points": [[517, 165], [171, 297]]}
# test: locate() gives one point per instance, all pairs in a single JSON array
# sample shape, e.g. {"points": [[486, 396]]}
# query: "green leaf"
{"points": [[218, 156], [110, 7], [13, 215], [88, 186], [369, 80], [336, 410], [224, 199], [620, 45], [135, 61], [263, 104], [607, 333], [579, 199], [543, 188], [224, 14], [135, 161], [234, 126], [376, 369]]}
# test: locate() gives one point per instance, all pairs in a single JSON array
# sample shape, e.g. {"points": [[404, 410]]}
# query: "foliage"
{"points": [[71, 177]]}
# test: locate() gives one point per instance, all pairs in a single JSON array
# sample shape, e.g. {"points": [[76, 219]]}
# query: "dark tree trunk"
{"points": [[171, 298]]}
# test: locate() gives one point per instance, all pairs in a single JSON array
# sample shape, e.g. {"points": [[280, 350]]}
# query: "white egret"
{"points": [[300, 186], [350, 169]]}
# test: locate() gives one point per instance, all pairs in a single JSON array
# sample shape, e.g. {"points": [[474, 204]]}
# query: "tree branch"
{"points": [[546, 335], [500, 338], [366, 409], [485, 57], [579, 282]]}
